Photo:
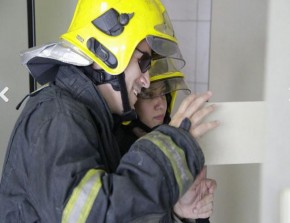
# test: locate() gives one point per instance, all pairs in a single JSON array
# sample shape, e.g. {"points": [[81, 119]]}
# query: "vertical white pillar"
{"points": [[275, 172], [285, 206]]}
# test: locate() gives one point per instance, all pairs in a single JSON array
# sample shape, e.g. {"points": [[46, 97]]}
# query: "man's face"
{"points": [[135, 79]]}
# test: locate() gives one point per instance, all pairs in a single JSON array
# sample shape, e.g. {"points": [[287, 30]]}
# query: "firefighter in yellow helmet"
{"points": [[63, 163], [108, 34]]}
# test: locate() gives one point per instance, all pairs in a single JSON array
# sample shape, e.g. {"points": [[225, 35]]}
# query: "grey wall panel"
{"points": [[238, 40], [14, 79], [52, 21]]}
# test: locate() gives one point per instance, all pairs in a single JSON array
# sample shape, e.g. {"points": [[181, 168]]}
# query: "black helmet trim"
{"points": [[112, 23], [102, 52]]}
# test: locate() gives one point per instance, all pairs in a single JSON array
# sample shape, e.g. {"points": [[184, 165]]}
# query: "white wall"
{"points": [[275, 172], [237, 64], [250, 61]]}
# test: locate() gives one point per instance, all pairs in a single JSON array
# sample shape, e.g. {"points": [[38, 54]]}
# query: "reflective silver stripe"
{"points": [[176, 157], [83, 197]]}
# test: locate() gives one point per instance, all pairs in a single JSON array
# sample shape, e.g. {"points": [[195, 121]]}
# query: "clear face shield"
{"points": [[162, 68], [164, 48], [162, 87]]}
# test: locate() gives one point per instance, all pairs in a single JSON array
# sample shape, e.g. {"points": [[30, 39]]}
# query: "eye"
{"points": [[144, 61]]}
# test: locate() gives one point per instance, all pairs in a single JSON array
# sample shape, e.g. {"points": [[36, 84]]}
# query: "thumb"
{"points": [[201, 176]]}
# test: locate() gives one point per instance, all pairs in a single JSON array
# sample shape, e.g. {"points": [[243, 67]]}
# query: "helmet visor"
{"points": [[162, 66], [165, 27], [166, 48], [163, 87]]}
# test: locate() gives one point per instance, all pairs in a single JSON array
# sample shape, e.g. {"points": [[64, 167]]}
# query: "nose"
{"points": [[145, 80], [160, 102]]}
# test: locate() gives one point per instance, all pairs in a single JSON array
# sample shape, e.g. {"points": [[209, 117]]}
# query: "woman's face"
{"points": [[152, 111]]}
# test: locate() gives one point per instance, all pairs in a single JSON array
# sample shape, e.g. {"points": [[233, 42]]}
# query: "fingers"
{"points": [[201, 176], [196, 103], [198, 127], [211, 185], [196, 189], [206, 189], [192, 103], [203, 128], [185, 103], [197, 202], [193, 107], [204, 207], [200, 114], [207, 186], [188, 107]]}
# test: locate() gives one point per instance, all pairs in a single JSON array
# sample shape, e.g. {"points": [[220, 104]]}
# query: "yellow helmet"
{"points": [[108, 31], [164, 79]]}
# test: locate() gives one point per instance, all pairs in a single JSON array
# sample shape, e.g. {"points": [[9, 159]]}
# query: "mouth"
{"points": [[159, 117], [136, 92]]}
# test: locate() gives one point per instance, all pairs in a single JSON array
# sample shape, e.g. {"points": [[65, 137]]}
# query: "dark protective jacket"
{"points": [[126, 135], [63, 162]]}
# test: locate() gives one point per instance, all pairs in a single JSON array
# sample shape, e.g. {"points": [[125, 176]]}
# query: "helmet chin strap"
{"points": [[128, 113], [118, 83]]}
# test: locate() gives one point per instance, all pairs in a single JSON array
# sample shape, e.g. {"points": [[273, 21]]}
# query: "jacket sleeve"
{"points": [[58, 173], [150, 178]]}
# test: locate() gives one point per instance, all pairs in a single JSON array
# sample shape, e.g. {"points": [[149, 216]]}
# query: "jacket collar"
{"points": [[73, 80]]}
